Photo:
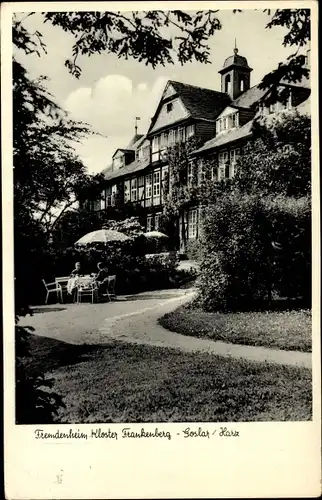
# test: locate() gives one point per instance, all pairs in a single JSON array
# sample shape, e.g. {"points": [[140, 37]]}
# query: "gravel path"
{"points": [[135, 319]]}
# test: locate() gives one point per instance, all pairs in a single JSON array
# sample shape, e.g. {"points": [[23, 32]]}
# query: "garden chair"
{"points": [[53, 288], [89, 290], [62, 281], [109, 283]]}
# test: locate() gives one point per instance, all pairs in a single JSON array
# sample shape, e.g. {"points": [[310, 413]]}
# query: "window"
{"points": [[192, 224], [164, 140], [223, 164], [190, 131], [213, 172], [95, 205], [273, 107], [118, 162], [234, 120], [202, 171], [114, 192], [171, 138], [169, 107], [227, 84], [165, 180], [148, 190], [149, 220], [157, 220], [234, 153], [155, 144], [140, 185], [156, 148], [227, 122], [109, 196], [156, 187], [127, 194], [103, 194], [181, 135], [242, 84], [146, 151], [134, 191], [190, 174]]}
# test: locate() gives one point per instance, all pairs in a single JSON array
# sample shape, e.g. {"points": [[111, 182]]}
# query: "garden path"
{"points": [[135, 319]]}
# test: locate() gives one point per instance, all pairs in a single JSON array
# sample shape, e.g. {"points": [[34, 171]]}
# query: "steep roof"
{"points": [[124, 150], [135, 166], [133, 143], [303, 83], [248, 98], [227, 137], [235, 60], [200, 102]]}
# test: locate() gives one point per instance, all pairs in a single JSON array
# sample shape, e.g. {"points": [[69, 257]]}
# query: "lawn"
{"points": [[122, 382], [289, 330]]}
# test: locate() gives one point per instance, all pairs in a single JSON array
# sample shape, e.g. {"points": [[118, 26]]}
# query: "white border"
{"points": [[268, 460]]}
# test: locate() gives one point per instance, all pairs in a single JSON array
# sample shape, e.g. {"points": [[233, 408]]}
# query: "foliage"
{"points": [[251, 247], [298, 23], [278, 159], [48, 176], [139, 35], [130, 226], [177, 192], [146, 37], [290, 223], [35, 402]]}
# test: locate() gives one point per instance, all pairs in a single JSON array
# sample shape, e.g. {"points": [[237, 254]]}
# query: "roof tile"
{"points": [[135, 166], [226, 137], [200, 102]]}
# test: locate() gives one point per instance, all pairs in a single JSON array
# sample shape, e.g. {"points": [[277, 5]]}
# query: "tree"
{"points": [[145, 36], [49, 178], [278, 159]]}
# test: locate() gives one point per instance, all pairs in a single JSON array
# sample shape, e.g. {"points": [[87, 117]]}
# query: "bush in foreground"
{"points": [[253, 247]]}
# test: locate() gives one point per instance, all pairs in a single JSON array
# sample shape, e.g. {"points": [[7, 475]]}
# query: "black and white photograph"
{"points": [[162, 219], [162, 213]]}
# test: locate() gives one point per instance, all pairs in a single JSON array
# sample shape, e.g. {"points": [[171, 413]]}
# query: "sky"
{"points": [[111, 92]]}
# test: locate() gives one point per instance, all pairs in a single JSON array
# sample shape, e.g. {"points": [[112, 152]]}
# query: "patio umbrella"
{"points": [[155, 234], [102, 236]]}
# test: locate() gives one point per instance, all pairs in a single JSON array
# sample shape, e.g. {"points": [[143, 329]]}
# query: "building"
{"points": [[220, 121]]}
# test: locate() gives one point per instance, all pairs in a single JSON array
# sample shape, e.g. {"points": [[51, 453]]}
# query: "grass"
{"points": [[289, 330], [122, 382]]}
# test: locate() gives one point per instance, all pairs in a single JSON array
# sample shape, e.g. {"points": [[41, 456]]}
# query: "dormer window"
{"points": [[118, 162], [169, 107], [227, 122]]}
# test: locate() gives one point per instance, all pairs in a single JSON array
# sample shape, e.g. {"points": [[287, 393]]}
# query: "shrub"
{"points": [[290, 220], [36, 403], [193, 250], [252, 247]]}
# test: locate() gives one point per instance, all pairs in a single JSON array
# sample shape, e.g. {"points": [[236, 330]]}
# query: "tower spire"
{"points": [[235, 49]]}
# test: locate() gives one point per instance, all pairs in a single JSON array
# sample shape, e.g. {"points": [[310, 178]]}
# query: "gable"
{"points": [[166, 116], [168, 91], [227, 111]]}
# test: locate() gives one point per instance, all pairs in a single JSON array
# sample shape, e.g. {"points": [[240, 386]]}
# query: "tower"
{"points": [[235, 75]]}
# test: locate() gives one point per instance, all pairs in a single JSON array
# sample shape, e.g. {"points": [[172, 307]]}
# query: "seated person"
{"points": [[77, 271], [101, 277]]}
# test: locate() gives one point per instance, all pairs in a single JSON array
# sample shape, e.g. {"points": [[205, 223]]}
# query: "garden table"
{"points": [[79, 280]]}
